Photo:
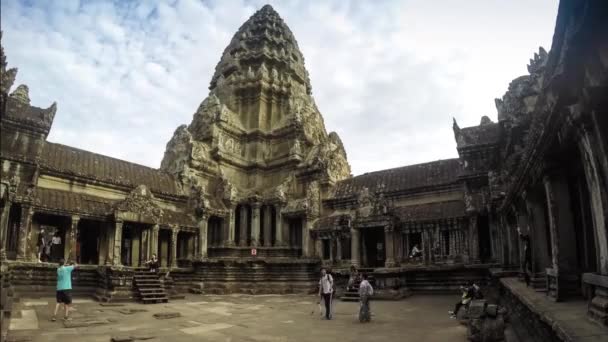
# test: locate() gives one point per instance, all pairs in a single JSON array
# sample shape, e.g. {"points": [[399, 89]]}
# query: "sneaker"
{"points": [[67, 318], [451, 312], [53, 319]]}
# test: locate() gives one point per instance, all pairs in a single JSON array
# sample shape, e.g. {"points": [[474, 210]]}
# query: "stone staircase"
{"points": [[352, 294], [149, 288]]}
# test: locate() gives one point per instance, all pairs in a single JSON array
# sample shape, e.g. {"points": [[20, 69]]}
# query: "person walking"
{"points": [[365, 292], [64, 289], [326, 286]]}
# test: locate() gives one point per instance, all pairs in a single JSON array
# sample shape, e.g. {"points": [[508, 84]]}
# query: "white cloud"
{"points": [[387, 75]]}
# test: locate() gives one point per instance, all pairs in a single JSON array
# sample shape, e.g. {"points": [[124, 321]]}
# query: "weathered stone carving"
{"points": [[21, 94], [140, 201]]}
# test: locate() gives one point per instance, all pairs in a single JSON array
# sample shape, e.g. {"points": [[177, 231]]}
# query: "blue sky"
{"points": [[388, 76]]}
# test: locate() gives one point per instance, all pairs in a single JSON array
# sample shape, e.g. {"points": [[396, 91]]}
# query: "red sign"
{"points": [[254, 251]]}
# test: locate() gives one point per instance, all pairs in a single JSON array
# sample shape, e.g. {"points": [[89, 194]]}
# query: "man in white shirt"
{"points": [[326, 286], [365, 291]]}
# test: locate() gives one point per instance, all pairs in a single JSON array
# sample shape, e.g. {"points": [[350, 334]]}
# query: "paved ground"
{"points": [[242, 318]]}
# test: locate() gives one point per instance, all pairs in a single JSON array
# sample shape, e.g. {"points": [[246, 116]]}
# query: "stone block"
{"points": [[492, 310], [167, 315], [477, 308]]}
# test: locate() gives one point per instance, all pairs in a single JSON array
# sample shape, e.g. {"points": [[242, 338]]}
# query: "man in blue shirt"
{"points": [[64, 288]]}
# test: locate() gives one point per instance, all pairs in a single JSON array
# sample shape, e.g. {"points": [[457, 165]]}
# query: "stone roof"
{"points": [[430, 211], [73, 161], [483, 134], [441, 172], [72, 202], [21, 111], [331, 222], [68, 202]]}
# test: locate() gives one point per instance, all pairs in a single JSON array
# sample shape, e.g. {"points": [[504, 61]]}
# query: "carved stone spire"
{"points": [[266, 40], [21, 94]]}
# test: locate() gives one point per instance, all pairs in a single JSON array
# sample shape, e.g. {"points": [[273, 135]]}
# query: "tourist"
{"points": [[469, 293], [41, 244], [416, 252], [525, 238], [326, 287], [64, 289], [353, 279], [153, 264], [365, 291], [56, 247]]}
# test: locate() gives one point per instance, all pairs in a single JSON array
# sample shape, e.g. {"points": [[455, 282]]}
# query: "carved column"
{"points": [[231, 225], [244, 223], [538, 233], [203, 227], [426, 253], [174, 232], [473, 239], [280, 226], [561, 222], [338, 249], [255, 224], [331, 250], [6, 210], [117, 243], [24, 228], [306, 241], [267, 225], [70, 239], [319, 247], [154, 240], [354, 247], [145, 243], [389, 247]]}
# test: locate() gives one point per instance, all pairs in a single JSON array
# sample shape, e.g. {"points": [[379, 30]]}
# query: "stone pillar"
{"points": [[319, 247], [267, 225], [244, 224], [6, 210], [174, 232], [473, 239], [231, 225], [389, 247], [145, 244], [338, 249], [280, 226], [426, 250], [70, 239], [306, 241], [255, 224], [538, 234], [203, 227], [135, 243], [24, 228], [563, 237], [331, 250], [355, 255], [117, 243], [154, 241]]}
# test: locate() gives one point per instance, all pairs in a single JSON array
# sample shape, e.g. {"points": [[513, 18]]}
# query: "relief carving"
{"points": [[141, 201]]}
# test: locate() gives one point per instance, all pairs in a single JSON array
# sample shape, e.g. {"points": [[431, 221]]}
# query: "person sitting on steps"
{"points": [[153, 264], [470, 292]]}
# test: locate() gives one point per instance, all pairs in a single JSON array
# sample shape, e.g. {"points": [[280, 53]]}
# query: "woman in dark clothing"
{"points": [[56, 253]]}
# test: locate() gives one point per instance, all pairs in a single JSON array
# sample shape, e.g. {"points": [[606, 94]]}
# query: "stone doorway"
{"points": [[88, 242], [485, 248], [373, 247]]}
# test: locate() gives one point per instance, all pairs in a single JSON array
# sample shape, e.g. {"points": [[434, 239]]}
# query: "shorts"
{"points": [[64, 296]]}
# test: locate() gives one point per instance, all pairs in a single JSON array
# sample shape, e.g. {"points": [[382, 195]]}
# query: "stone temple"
{"points": [[254, 194]]}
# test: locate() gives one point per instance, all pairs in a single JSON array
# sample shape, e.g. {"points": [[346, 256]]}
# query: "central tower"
{"points": [[258, 139]]}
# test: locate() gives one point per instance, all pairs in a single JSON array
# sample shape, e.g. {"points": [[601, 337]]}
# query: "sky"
{"points": [[388, 76]]}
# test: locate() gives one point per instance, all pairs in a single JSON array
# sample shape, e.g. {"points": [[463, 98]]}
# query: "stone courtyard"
{"points": [[239, 318]]}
